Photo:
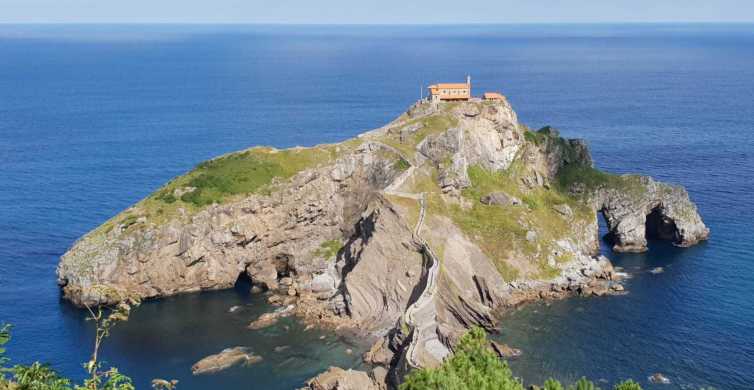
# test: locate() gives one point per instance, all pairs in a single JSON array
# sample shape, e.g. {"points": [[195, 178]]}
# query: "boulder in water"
{"points": [[504, 351], [226, 359]]}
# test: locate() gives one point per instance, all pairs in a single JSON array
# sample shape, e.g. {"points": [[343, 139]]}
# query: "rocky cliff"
{"points": [[414, 231]]}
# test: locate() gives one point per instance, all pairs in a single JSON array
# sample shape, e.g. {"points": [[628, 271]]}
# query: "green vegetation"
{"points": [[402, 165], [245, 172], [474, 366], [39, 376], [593, 179], [547, 138], [628, 385], [500, 231], [225, 178], [328, 249], [4, 338], [535, 137], [434, 124]]}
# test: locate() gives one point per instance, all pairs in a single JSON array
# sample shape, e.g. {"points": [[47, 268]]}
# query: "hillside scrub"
{"points": [[39, 376], [245, 172], [592, 179], [498, 230], [474, 366], [407, 143], [226, 178]]}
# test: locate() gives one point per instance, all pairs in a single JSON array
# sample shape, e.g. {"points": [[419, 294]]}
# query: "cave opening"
{"points": [[607, 237], [660, 227], [243, 283]]}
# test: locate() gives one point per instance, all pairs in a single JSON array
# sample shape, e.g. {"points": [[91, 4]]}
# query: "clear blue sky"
{"points": [[374, 11]]}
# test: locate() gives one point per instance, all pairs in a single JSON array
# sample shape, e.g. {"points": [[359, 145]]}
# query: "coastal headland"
{"points": [[414, 232]]}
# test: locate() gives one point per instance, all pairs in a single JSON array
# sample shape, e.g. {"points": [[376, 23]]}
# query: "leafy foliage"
{"points": [[38, 376], [402, 165], [552, 384], [472, 367], [475, 366], [628, 385], [108, 380], [4, 338], [583, 384]]}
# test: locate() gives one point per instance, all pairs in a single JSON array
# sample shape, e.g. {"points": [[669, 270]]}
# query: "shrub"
{"points": [[552, 384], [402, 165], [628, 385], [39, 376], [4, 338], [583, 384], [472, 367]]}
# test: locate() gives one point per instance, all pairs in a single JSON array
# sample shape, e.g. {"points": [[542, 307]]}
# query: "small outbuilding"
{"points": [[493, 96]]}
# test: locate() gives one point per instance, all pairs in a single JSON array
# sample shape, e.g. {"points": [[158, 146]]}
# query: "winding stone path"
{"points": [[425, 348]]}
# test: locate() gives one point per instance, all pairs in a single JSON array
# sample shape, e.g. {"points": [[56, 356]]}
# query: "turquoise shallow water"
{"points": [[93, 118]]}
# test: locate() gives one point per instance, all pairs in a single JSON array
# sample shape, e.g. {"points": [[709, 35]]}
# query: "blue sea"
{"points": [[95, 117]]}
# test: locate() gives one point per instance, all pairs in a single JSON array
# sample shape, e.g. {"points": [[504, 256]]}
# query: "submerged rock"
{"points": [[659, 378], [226, 359], [269, 319], [657, 270], [159, 383]]}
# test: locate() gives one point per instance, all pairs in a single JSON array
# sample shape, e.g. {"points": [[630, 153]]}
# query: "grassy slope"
{"points": [[433, 124], [592, 179], [500, 231], [224, 179]]}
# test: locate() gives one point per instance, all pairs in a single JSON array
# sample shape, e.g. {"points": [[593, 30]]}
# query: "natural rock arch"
{"points": [[661, 227], [631, 232], [659, 211]]}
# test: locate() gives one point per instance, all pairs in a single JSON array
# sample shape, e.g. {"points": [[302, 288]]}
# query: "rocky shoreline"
{"points": [[412, 233]]}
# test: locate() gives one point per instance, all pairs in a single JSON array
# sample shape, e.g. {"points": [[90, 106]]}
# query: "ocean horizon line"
{"points": [[388, 24]]}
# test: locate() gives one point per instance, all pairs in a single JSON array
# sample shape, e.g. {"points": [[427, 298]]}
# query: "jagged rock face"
{"points": [[492, 138], [486, 135], [336, 378], [659, 211], [634, 208], [382, 266], [469, 287], [269, 237]]}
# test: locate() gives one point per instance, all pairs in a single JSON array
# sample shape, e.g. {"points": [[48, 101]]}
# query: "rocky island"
{"points": [[413, 232]]}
